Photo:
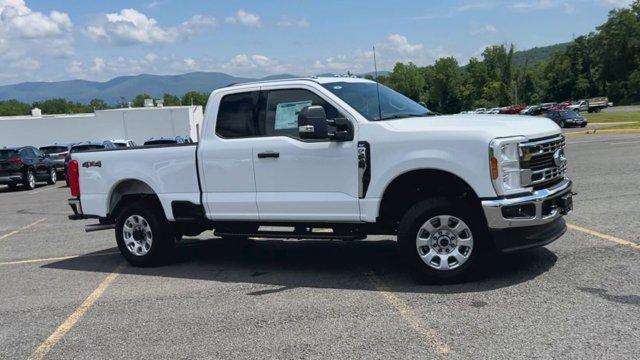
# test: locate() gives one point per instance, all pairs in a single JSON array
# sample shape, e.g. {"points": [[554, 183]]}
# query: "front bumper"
{"points": [[10, 179], [538, 208]]}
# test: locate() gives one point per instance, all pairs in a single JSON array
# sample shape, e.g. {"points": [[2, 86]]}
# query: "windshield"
{"points": [[53, 149], [7, 154], [570, 114], [86, 148], [363, 97]]}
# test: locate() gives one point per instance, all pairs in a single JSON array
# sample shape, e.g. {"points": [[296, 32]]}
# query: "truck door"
{"points": [[297, 179], [225, 159]]}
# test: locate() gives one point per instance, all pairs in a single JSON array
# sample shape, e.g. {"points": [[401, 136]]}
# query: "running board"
{"points": [[292, 235], [99, 227]]}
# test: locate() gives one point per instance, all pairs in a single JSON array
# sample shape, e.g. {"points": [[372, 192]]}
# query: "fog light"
{"points": [[519, 211]]}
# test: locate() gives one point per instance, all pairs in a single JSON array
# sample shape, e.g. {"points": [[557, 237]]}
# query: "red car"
{"points": [[512, 110], [561, 106]]}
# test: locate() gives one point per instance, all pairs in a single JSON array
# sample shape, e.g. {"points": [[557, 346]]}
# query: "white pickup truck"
{"points": [[312, 154]]}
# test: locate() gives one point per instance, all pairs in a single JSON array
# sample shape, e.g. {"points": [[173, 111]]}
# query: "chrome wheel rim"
{"points": [[32, 180], [137, 235], [54, 175], [444, 242]]}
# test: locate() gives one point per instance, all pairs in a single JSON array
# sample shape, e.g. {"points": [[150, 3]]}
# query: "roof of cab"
{"points": [[318, 80]]}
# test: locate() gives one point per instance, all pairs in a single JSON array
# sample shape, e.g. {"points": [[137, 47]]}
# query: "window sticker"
{"points": [[287, 114]]}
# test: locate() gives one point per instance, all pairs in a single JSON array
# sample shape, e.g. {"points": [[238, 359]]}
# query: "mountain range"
{"points": [[125, 88]]}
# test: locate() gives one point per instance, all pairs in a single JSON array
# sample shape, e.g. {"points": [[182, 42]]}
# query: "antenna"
{"points": [[375, 67]]}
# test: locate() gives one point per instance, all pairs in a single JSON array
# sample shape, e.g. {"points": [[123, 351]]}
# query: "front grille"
{"points": [[545, 159]]}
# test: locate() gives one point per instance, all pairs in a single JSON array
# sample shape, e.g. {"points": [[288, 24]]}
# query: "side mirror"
{"points": [[312, 123]]}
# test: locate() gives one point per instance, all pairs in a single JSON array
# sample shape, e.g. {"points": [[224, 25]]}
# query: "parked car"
{"points": [[481, 111], [531, 110], [85, 146], [26, 165], [57, 153], [566, 118], [495, 110], [560, 106], [315, 154], [546, 106], [511, 110], [120, 143], [591, 105], [168, 140]]}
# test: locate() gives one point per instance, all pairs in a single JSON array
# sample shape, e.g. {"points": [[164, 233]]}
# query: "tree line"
{"points": [[62, 106], [605, 62]]}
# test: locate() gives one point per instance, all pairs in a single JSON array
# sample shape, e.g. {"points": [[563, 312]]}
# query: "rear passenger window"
{"points": [[236, 115], [283, 107]]}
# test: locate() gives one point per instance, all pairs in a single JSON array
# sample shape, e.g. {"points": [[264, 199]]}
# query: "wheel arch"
{"points": [[415, 185], [126, 191]]}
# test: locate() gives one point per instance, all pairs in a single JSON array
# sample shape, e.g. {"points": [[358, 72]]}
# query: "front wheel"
{"points": [[144, 236], [440, 240]]}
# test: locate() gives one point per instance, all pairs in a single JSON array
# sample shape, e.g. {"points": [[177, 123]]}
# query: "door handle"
{"points": [[268, 154]]}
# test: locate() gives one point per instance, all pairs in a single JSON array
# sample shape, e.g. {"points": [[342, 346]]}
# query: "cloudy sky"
{"points": [[98, 40]]}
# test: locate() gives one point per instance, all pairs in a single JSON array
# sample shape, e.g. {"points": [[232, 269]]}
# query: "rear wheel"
{"points": [[440, 240], [144, 236], [562, 124], [53, 176], [30, 180]]}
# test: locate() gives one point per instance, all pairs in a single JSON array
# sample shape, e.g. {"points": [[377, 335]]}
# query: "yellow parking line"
{"points": [[68, 324], [60, 258], [600, 235], [22, 228], [429, 335]]}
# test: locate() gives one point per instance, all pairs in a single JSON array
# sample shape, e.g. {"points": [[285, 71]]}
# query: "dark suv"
{"points": [[57, 153], [565, 118], [25, 165]]}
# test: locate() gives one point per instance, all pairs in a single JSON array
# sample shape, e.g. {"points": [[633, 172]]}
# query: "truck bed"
{"points": [[169, 170]]}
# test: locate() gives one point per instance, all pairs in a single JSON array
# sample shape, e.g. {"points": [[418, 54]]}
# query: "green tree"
{"points": [[171, 100], [445, 85], [407, 79], [98, 104], [14, 108], [195, 98], [138, 101]]}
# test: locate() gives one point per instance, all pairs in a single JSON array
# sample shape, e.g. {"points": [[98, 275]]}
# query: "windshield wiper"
{"points": [[401, 116]]}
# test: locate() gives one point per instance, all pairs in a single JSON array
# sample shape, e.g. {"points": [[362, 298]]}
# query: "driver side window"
{"points": [[283, 107]]}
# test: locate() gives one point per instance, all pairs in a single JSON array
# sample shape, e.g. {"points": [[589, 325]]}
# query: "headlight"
{"points": [[504, 161]]}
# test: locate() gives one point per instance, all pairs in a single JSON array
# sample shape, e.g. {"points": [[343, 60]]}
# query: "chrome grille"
{"points": [[538, 157]]}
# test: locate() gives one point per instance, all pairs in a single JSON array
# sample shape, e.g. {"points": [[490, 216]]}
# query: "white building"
{"points": [[137, 124]]}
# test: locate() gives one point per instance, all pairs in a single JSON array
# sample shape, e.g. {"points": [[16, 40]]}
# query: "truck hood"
{"points": [[486, 126]]}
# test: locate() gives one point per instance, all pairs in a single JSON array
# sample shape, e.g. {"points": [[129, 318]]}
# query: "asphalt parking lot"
{"points": [[66, 294]]}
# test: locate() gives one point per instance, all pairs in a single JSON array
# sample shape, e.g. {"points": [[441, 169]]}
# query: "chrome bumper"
{"points": [[493, 209]]}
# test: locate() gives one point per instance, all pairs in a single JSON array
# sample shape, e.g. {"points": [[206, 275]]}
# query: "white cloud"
{"points": [[254, 64], [293, 23], [475, 6], [245, 19], [131, 27], [19, 21], [484, 29], [526, 6], [399, 43]]}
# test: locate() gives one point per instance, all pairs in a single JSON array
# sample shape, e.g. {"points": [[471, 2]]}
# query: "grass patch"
{"points": [[607, 117], [635, 125]]}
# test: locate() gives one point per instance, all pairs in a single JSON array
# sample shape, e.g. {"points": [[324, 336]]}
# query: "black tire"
{"points": [[53, 176], [163, 239], [583, 125], [28, 184], [411, 224], [562, 124]]}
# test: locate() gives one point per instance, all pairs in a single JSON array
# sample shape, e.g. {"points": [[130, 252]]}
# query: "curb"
{"points": [[598, 131]]}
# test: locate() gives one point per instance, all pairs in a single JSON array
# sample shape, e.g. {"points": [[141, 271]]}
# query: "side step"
{"points": [[99, 227], [293, 235]]}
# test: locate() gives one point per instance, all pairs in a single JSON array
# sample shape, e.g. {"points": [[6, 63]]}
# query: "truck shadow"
{"points": [[282, 265]]}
